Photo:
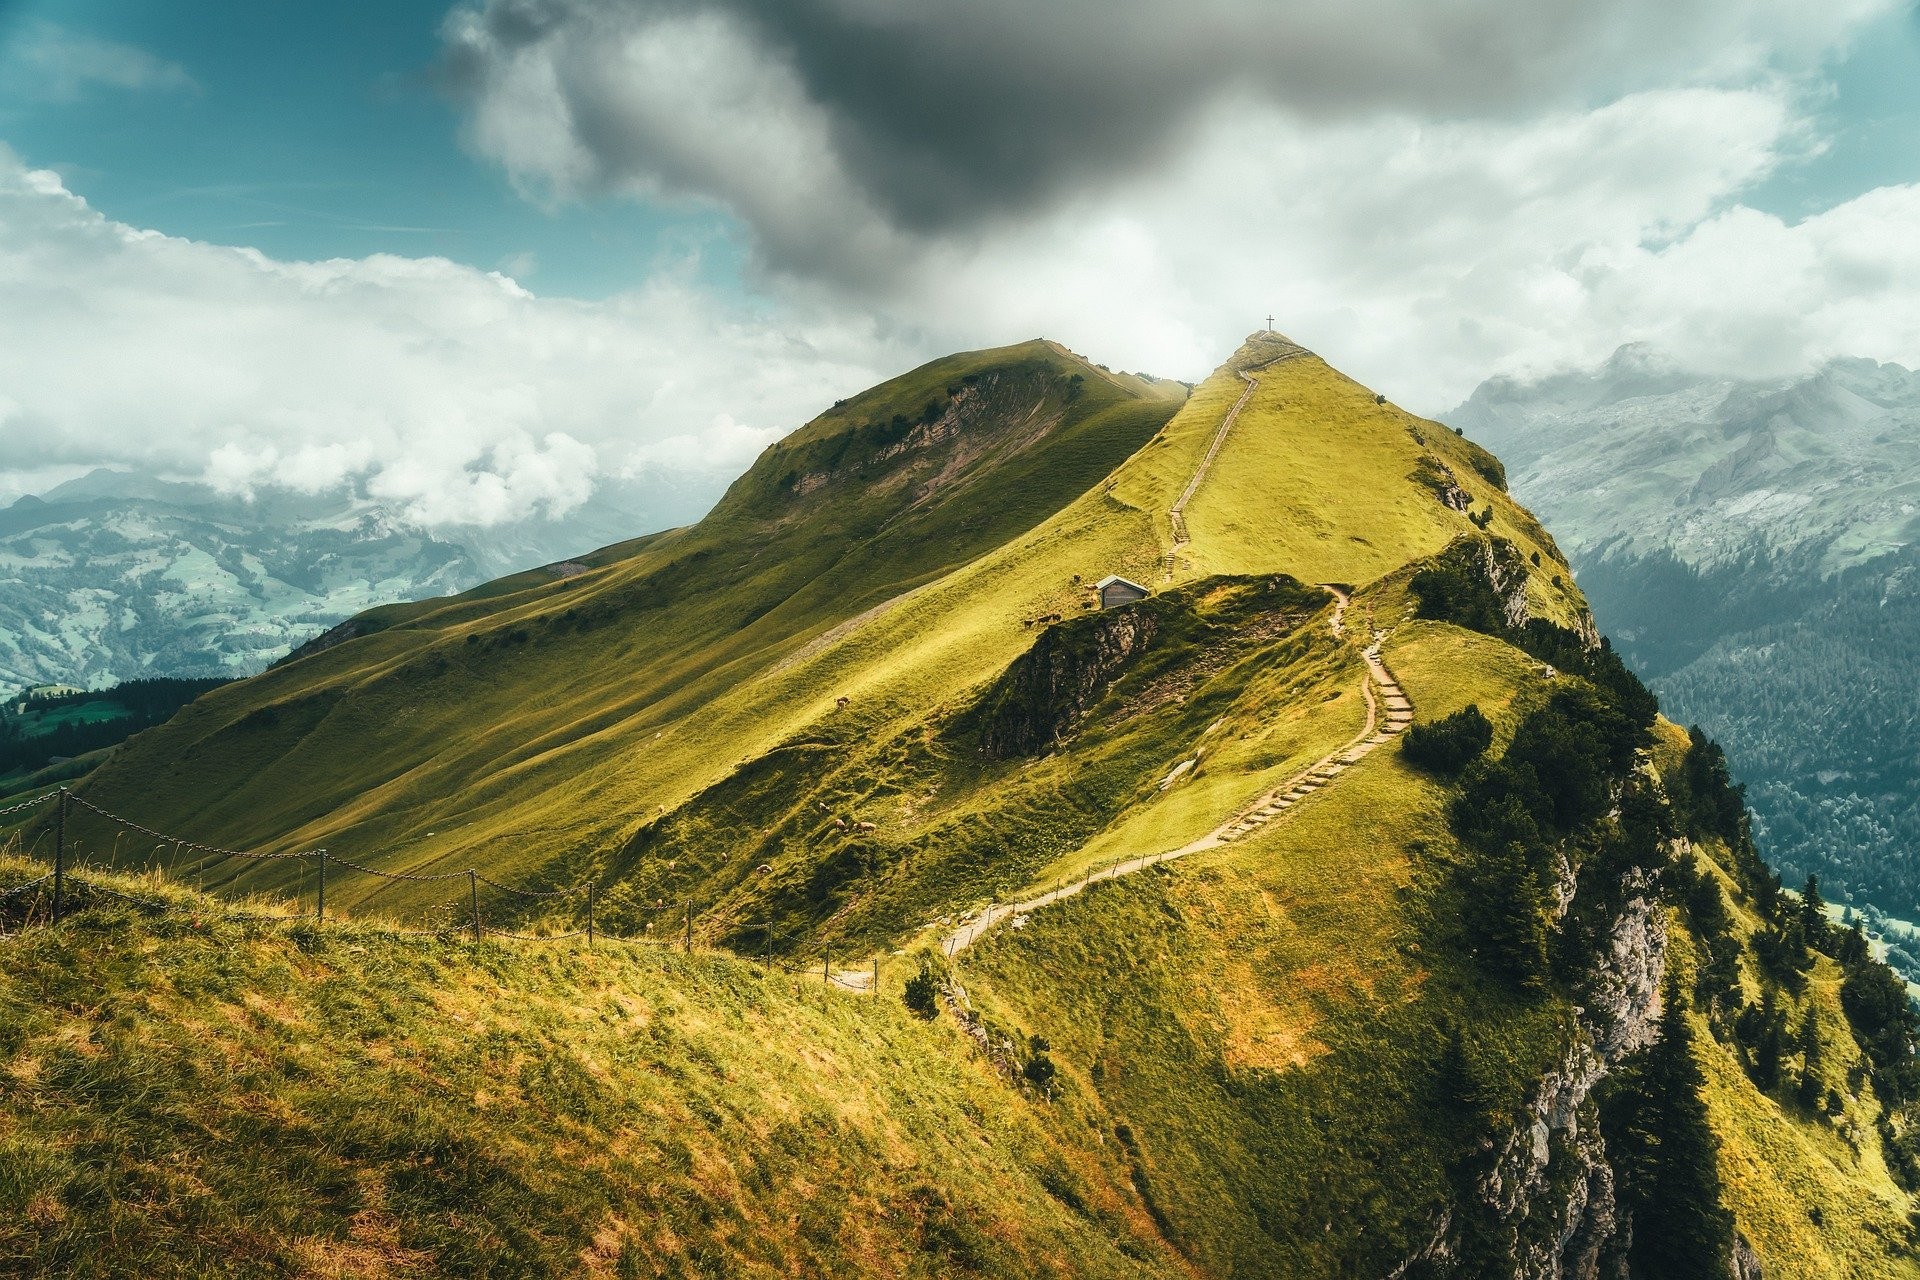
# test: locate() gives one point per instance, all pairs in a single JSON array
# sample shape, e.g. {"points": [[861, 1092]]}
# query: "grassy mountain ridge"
{"points": [[369, 747], [572, 673], [1371, 1038]]}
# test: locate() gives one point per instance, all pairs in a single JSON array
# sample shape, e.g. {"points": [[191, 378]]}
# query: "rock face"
{"points": [[1051, 686], [1551, 1185], [1550, 1193], [1505, 573]]}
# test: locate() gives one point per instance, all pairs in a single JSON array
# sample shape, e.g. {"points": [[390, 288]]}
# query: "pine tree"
{"points": [[1813, 915], [1456, 1078], [1809, 1039], [1671, 1162], [1513, 915], [1769, 1041]]}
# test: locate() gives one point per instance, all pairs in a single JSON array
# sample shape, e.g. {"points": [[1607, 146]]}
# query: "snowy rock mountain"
{"points": [[1753, 549], [1639, 457], [115, 576]]}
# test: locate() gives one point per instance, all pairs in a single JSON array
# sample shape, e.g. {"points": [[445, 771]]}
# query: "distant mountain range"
{"points": [[115, 576], [1751, 547]]}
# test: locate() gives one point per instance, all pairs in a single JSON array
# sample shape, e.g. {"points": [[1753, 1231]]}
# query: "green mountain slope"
{"points": [[527, 710], [188, 1096], [1402, 1025]]}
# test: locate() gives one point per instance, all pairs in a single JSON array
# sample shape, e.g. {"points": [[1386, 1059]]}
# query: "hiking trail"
{"points": [[1389, 712], [1177, 514]]}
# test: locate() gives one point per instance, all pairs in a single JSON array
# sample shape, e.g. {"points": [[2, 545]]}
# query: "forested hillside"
{"points": [[1747, 545]]}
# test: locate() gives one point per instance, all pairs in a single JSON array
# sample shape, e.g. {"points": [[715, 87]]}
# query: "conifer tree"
{"points": [[1813, 915], [1456, 1079], [1809, 1040], [1513, 915], [1671, 1162]]}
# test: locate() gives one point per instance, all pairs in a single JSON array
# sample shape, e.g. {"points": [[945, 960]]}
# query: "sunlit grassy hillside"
{"points": [[542, 731], [186, 1095], [868, 695]]}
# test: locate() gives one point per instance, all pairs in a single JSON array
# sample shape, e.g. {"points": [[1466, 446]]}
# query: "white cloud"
{"points": [[1423, 256], [1746, 293], [49, 62], [453, 392], [1428, 193], [843, 134], [674, 105], [1421, 250]]}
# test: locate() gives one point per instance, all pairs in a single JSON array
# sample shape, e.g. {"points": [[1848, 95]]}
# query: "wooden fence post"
{"points": [[59, 853]]}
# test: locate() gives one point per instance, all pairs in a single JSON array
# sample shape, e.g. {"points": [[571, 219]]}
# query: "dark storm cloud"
{"points": [[942, 115], [946, 112]]}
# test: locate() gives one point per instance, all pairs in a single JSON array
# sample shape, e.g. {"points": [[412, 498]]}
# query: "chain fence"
{"points": [[69, 887]]}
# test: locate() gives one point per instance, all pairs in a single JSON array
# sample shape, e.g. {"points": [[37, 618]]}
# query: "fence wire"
{"points": [[64, 876]]}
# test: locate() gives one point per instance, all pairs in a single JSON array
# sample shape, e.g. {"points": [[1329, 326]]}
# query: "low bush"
{"points": [[1448, 745]]}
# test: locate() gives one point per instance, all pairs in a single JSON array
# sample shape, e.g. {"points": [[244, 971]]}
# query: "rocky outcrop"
{"points": [[1550, 1195], [1438, 476], [1506, 573], [1048, 688]]}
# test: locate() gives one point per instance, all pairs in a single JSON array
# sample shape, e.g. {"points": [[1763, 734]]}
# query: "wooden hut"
{"points": [[1115, 590]]}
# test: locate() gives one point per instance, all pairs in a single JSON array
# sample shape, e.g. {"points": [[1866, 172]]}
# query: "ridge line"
{"points": [[1177, 513]]}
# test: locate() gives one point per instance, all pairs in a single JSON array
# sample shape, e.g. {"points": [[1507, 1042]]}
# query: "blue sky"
{"points": [[313, 131], [1870, 125], [717, 216]]}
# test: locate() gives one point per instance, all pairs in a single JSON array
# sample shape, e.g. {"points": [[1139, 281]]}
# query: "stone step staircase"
{"points": [[1389, 712]]}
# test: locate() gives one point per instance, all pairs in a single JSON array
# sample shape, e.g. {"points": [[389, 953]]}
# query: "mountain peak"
{"points": [[1263, 346]]}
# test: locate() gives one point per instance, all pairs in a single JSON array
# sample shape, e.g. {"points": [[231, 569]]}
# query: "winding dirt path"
{"points": [[1389, 712], [1177, 514]]}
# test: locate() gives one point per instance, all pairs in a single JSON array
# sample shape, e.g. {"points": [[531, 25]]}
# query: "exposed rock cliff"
{"points": [[1050, 686], [1549, 1198]]}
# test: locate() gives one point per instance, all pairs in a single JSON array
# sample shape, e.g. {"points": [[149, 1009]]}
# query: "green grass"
{"points": [[1319, 477], [185, 1095], [509, 730], [1263, 1020], [1782, 1164], [1246, 1038]]}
